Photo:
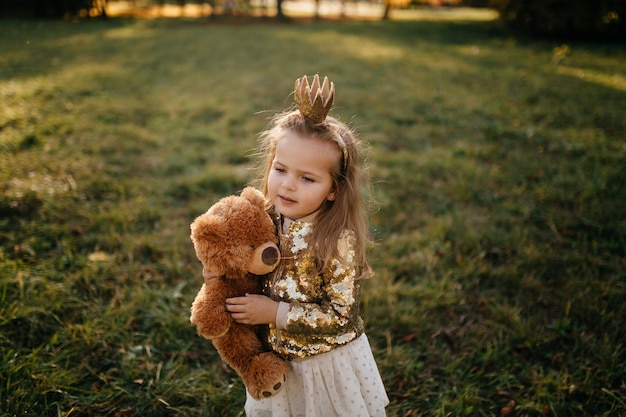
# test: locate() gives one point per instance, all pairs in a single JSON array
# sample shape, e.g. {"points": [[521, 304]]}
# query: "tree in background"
{"points": [[589, 19]]}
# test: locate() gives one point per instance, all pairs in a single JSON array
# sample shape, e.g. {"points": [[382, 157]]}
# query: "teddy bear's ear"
{"points": [[254, 196], [206, 230]]}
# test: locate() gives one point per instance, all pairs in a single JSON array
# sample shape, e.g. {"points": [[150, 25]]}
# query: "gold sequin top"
{"points": [[323, 307]]}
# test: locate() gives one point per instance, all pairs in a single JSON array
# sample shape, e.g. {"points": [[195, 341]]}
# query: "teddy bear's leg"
{"points": [[263, 373], [268, 373]]}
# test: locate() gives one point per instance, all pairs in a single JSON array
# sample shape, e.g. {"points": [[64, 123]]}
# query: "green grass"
{"points": [[500, 191]]}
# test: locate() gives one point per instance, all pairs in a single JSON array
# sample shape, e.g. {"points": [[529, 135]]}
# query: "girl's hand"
{"points": [[252, 309], [208, 275]]}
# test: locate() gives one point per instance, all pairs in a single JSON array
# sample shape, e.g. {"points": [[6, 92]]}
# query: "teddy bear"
{"points": [[236, 239]]}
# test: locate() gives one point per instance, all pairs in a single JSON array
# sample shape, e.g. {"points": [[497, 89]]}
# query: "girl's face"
{"points": [[300, 179]]}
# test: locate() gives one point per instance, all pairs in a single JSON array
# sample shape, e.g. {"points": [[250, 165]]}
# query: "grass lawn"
{"points": [[499, 208]]}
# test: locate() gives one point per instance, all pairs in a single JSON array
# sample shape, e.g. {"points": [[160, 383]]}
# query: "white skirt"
{"points": [[342, 382]]}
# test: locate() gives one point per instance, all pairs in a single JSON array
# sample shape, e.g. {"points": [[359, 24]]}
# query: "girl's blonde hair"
{"points": [[348, 210]]}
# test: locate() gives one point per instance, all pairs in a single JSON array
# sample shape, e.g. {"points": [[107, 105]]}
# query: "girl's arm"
{"points": [[339, 308]]}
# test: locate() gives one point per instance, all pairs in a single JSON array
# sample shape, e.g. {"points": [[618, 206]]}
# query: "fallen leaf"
{"points": [[408, 338], [99, 257], [125, 412], [507, 409]]}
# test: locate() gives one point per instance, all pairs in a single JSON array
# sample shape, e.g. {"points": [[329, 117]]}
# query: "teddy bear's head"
{"points": [[236, 236]]}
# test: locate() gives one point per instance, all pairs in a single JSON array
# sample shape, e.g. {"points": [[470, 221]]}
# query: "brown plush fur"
{"points": [[227, 240]]}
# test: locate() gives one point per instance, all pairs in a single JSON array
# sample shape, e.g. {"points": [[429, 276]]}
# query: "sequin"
{"points": [[324, 312]]}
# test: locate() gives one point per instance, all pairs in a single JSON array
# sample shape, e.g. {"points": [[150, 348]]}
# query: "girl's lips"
{"points": [[286, 200]]}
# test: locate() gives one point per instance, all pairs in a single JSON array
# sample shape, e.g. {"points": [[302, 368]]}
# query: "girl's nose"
{"points": [[289, 183]]}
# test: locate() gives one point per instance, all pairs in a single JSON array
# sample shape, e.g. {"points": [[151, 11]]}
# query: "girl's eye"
{"points": [[308, 179], [279, 169]]}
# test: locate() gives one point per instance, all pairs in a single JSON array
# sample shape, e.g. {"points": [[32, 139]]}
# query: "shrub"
{"points": [[591, 19]]}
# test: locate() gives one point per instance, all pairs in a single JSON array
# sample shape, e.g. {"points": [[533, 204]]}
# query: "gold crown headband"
{"points": [[314, 102]]}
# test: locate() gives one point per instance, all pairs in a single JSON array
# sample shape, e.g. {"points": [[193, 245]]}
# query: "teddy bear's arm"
{"points": [[208, 311]]}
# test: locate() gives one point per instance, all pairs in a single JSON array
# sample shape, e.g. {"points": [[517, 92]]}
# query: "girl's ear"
{"points": [[331, 197]]}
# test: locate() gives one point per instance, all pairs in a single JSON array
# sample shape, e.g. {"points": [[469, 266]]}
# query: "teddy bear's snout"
{"points": [[264, 259]]}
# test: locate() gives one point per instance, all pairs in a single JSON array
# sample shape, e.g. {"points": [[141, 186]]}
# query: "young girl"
{"points": [[313, 182]]}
